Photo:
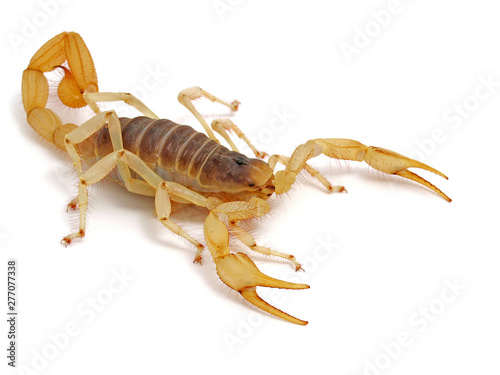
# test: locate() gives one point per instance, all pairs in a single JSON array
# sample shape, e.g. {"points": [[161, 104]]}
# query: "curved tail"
{"points": [[80, 78]]}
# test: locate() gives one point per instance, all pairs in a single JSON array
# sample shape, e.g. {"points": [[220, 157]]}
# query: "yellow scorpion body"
{"points": [[175, 163]]}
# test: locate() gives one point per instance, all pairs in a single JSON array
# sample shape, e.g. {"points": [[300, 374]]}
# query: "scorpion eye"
{"points": [[240, 162]]}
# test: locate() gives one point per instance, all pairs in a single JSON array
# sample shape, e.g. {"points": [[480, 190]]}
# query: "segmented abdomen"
{"points": [[175, 152]]}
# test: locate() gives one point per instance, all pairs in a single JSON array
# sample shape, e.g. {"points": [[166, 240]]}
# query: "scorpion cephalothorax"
{"points": [[175, 163]]}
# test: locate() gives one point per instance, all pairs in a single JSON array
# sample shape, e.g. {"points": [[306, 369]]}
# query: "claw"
{"points": [[69, 238], [240, 273], [347, 149], [251, 296], [393, 163]]}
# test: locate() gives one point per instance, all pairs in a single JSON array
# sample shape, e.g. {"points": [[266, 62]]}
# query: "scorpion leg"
{"points": [[234, 212], [71, 140], [223, 126], [165, 192], [249, 241], [239, 272], [164, 208], [186, 98], [274, 159], [380, 159], [122, 160], [119, 96]]}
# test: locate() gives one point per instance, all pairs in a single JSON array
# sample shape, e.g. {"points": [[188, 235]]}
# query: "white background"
{"points": [[394, 247]]}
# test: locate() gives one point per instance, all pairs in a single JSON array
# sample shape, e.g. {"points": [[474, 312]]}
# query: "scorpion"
{"points": [[176, 164]]}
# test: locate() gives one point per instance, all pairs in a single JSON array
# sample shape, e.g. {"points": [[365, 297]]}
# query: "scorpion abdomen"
{"points": [[176, 152], [180, 154]]}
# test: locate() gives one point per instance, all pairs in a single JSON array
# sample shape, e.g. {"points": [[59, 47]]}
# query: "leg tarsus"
{"points": [[198, 258], [69, 238], [72, 205]]}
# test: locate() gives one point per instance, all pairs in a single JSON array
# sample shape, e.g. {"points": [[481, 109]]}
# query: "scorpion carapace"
{"points": [[175, 163]]}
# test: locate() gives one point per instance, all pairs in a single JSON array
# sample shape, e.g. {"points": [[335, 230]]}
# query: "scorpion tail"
{"points": [[78, 79], [240, 273]]}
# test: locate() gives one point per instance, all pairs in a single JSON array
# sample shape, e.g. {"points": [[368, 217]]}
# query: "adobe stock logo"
{"points": [[418, 323], [245, 327], [455, 116], [223, 7], [364, 36], [41, 16], [86, 312]]}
